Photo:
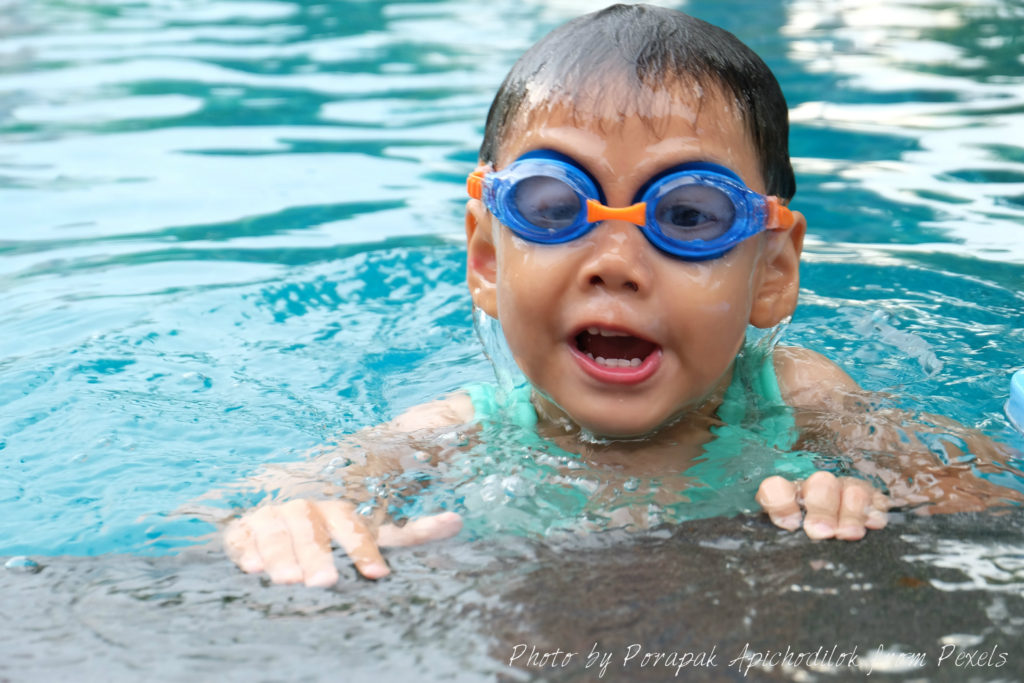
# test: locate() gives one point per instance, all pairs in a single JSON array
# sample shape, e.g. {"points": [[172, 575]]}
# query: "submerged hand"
{"points": [[291, 542], [843, 508]]}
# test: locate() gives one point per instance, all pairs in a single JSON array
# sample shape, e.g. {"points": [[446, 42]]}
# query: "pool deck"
{"points": [[703, 594]]}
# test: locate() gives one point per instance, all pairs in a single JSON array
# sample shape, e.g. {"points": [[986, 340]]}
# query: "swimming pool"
{"points": [[232, 228]]}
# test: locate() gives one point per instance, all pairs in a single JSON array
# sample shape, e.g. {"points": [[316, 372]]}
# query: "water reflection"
{"points": [[225, 241], [941, 89]]}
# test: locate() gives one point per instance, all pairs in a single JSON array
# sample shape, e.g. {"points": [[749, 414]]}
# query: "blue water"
{"points": [[232, 230]]}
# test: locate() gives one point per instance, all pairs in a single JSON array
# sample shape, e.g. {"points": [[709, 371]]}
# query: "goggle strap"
{"points": [[779, 217], [475, 183], [597, 212]]}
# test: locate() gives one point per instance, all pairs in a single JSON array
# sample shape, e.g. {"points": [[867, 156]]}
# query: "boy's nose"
{"points": [[617, 259]]}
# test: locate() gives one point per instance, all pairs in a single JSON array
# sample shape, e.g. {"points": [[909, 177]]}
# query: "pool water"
{"points": [[232, 232]]}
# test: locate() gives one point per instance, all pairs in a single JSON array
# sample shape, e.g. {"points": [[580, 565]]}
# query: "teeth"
{"points": [[595, 331], [616, 362]]}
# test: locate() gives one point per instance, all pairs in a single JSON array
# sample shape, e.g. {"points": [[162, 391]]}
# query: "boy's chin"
{"points": [[604, 422], [619, 427]]}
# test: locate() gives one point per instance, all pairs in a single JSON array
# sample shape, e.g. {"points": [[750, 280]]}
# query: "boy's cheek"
{"points": [[524, 269]]}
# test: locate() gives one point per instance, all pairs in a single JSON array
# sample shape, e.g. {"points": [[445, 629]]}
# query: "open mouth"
{"points": [[614, 349], [611, 355]]}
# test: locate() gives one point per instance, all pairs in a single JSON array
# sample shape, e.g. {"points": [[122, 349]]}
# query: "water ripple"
{"points": [[944, 85]]}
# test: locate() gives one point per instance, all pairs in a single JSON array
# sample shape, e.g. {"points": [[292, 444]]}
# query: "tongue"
{"points": [[615, 347]]}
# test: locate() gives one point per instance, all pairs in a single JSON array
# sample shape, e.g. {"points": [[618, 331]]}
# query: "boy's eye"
{"points": [[547, 203], [695, 212]]}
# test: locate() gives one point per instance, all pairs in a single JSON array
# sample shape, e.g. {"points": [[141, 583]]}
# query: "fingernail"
{"points": [[877, 519], [820, 530], [452, 522], [322, 579], [790, 522], [375, 570], [286, 575], [250, 565]]}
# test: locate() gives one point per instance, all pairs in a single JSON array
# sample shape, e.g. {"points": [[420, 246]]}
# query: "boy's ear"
{"points": [[481, 258], [775, 298]]}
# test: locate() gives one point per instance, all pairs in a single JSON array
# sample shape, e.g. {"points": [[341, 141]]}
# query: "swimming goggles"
{"points": [[694, 211]]}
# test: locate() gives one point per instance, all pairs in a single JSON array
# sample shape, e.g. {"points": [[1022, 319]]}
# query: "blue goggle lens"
{"points": [[694, 211], [547, 203]]}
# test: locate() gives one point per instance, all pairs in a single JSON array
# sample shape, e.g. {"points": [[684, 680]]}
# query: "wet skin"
{"points": [[612, 281], [557, 302]]}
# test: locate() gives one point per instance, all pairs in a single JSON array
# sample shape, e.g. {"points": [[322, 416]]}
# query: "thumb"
{"points": [[422, 530]]}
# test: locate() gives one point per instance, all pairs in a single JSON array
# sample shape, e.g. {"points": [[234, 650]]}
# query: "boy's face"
{"points": [[685, 320]]}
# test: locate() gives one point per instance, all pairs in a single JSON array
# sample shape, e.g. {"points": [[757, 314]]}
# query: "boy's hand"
{"points": [[291, 542], [843, 508]]}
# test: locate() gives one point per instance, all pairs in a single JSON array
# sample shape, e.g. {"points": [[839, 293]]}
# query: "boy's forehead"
{"points": [[613, 109]]}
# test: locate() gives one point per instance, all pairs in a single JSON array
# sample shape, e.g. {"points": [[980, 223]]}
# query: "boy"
{"points": [[628, 221]]}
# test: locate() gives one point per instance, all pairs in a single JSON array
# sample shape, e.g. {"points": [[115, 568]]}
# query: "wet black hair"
{"points": [[649, 47]]}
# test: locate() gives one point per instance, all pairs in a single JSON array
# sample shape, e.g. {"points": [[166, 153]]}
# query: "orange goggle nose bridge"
{"points": [[597, 212]]}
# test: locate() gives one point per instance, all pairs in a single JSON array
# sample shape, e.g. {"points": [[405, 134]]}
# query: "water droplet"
{"points": [[196, 380], [23, 564], [336, 463], [631, 484]]}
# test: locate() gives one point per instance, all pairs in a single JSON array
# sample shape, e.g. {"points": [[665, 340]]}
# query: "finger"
{"points": [[822, 494], [310, 543], [274, 542], [878, 515], [423, 530], [241, 548], [348, 530], [853, 509], [778, 497]]}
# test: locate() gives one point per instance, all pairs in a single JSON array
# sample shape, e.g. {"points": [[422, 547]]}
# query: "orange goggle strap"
{"points": [[779, 217], [475, 182]]}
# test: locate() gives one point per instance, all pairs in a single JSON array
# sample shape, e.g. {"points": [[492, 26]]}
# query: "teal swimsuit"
{"points": [[755, 441]]}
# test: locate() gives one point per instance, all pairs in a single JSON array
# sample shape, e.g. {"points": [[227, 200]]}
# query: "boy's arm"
{"points": [[452, 410], [884, 443], [291, 541]]}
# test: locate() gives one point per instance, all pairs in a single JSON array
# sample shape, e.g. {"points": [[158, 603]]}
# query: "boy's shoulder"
{"points": [[451, 410], [809, 380]]}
